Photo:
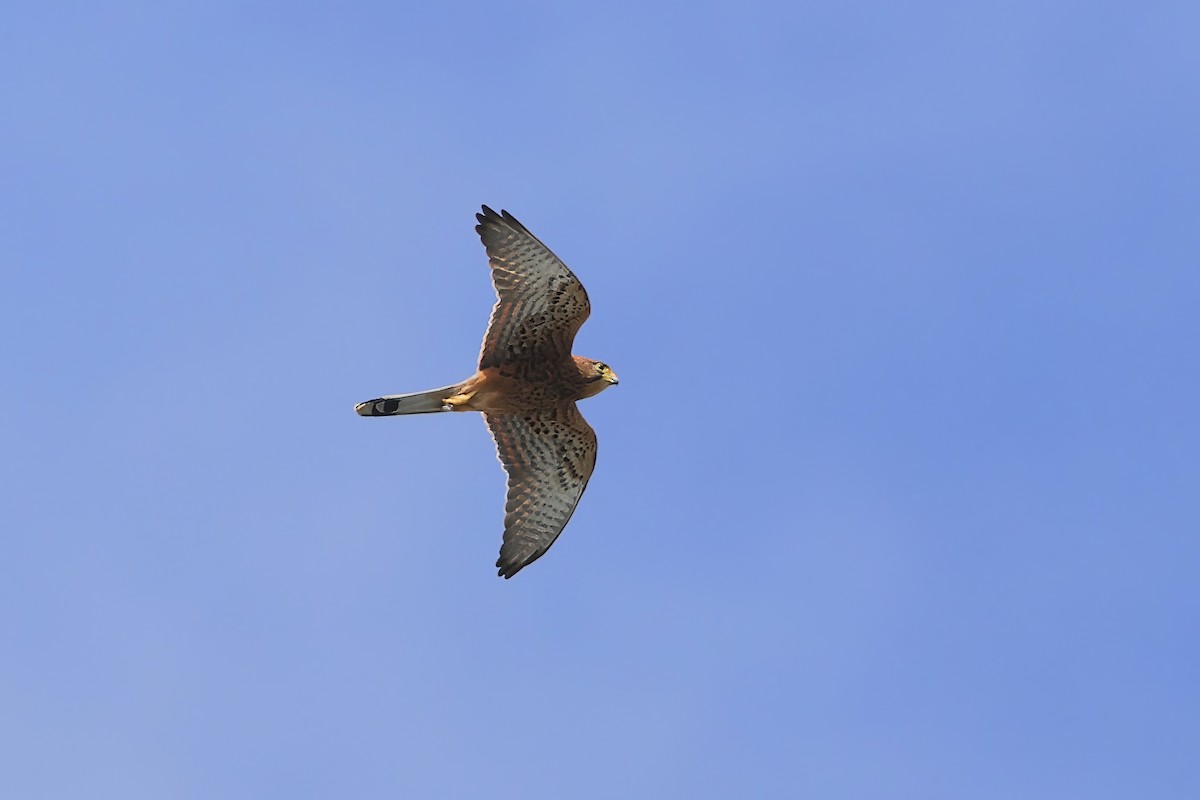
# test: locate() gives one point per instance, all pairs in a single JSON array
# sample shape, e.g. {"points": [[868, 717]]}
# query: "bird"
{"points": [[527, 385]]}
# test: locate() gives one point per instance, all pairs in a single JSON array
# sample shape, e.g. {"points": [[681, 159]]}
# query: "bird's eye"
{"points": [[601, 366]]}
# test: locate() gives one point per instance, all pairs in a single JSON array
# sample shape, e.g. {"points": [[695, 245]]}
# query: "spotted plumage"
{"points": [[526, 385]]}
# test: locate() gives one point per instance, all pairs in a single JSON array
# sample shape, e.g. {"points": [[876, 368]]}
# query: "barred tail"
{"points": [[415, 403]]}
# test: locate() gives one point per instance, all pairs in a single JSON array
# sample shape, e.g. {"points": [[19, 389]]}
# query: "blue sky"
{"points": [[897, 497]]}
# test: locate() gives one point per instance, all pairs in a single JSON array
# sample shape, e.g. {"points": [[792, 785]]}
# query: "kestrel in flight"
{"points": [[526, 386]]}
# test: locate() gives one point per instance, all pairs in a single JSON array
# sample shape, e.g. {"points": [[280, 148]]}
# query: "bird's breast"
{"points": [[507, 390]]}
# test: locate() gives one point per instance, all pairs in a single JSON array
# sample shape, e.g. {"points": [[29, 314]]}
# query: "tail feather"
{"points": [[416, 403]]}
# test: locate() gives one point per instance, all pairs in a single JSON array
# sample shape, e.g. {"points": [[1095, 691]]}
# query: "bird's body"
{"points": [[526, 386], [500, 390]]}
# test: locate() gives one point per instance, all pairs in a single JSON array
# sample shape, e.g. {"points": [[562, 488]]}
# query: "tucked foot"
{"points": [[457, 402]]}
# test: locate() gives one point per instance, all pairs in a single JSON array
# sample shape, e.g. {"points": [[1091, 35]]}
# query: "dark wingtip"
{"points": [[507, 567], [487, 219], [504, 219]]}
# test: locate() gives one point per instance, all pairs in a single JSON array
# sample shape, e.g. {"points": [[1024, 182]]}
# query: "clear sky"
{"points": [[897, 497]]}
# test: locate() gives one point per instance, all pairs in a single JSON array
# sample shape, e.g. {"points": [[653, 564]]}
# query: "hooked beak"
{"points": [[612, 379]]}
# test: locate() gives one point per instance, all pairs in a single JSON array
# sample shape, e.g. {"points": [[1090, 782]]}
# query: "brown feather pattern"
{"points": [[549, 456], [540, 304]]}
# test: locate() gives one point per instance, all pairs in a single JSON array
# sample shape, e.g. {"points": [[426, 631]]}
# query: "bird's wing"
{"points": [[540, 303], [549, 456]]}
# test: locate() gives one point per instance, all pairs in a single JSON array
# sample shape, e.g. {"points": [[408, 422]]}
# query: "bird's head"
{"points": [[598, 375]]}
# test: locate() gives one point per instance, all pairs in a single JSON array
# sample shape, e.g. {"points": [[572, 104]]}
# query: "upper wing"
{"points": [[540, 303], [549, 456]]}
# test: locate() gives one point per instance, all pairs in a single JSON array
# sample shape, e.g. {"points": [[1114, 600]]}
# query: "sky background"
{"points": [[897, 497]]}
